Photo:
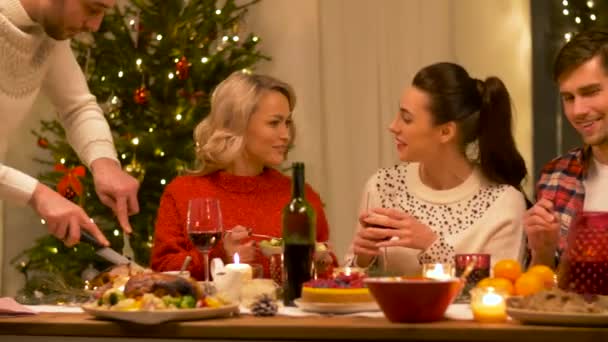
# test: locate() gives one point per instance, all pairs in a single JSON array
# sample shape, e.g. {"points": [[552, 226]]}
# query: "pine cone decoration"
{"points": [[264, 306]]}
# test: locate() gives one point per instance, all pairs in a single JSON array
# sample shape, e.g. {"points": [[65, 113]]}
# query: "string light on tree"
{"points": [[158, 152], [590, 4], [218, 11], [592, 17], [204, 60]]}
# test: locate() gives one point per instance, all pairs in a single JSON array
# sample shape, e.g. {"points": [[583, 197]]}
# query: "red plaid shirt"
{"points": [[561, 181]]}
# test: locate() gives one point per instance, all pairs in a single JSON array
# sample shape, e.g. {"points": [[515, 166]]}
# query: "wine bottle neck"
{"points": [[298, 181]]}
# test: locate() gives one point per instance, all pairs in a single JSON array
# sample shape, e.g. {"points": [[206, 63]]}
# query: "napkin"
{"points": [[55, 308], [8, 306], [459, 312]]}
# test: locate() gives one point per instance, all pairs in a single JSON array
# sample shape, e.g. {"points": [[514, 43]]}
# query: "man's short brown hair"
{"points": [[580, 49]]}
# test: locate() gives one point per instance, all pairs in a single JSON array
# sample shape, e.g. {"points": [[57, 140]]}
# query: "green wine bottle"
{"points": [[299, 235]]}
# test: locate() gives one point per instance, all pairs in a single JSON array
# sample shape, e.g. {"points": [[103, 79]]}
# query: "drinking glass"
{"points": [[204, 224]]}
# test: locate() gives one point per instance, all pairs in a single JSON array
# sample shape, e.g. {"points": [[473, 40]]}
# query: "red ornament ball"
{"points": [[42, 142], [182, 68], [141, 96]]}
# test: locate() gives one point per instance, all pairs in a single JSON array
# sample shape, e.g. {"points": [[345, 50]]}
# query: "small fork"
{"points": [[127, 251], [250, 233]]}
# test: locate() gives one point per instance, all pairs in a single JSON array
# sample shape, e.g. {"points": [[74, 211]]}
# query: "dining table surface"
{"points": [[59, 326]]}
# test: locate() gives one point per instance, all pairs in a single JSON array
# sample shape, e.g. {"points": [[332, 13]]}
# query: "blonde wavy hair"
{"points": [[220, 137]]}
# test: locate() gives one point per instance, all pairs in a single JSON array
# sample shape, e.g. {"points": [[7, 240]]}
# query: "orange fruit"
{"points": [[545, 273], [500, 284], [507, 268], [529, 283]]}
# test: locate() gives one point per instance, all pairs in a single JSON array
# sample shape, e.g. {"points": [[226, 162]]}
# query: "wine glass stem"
{"points": [[206, 261], [385, 261]]}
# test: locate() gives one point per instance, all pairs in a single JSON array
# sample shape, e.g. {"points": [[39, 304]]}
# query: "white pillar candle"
{"points": [[244, 270]]}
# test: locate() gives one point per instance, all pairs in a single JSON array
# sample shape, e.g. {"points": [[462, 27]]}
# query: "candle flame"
{"points": [[236, 258], [437, 273], [491, 298]]}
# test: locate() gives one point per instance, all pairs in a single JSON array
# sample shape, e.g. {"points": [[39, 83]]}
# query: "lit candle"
{"points": [[488, 305], [437, 271], [244, 270]]}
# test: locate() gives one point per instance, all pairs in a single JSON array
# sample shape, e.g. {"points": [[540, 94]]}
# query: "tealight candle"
{"points": [[244, 270], [488, 306], [437, 271]]}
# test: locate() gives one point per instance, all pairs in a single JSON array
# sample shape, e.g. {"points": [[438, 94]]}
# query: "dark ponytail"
{"points": [[500, 160], [482, 111]]}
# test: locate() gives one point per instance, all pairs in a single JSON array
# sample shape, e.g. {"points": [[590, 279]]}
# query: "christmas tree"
{"points": [[152, 66]]}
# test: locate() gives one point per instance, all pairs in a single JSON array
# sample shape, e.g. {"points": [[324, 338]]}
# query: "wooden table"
{"points": [[54, 327]]}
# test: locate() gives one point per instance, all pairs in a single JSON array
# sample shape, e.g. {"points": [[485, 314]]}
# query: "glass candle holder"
{"points": [[488, 305], [324, 261], [438, 271], [583, 266], [481, 269], [276, 268], [348, 270]]}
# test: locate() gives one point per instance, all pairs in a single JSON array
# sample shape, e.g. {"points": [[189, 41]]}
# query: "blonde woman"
{"points": [[246, 135]]}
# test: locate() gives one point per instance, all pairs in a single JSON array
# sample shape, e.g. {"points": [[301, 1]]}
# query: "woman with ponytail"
{"points": [[239, 144], [458, 189]]}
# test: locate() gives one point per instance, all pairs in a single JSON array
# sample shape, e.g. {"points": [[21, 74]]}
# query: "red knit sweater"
{"points": [[255, 202]]}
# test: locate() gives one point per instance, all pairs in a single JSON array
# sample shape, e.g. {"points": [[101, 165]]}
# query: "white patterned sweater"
{"points": [[474, 217], [30, 63]]}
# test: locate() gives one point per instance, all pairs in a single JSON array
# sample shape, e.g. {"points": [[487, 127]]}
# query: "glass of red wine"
{"points": [[204, 224]]}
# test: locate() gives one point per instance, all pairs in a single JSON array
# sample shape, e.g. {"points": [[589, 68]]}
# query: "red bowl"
{"points": [[413, 300]]}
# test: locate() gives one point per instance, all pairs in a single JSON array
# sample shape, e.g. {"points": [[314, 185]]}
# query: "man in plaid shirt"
{"points": [[578, 180]]}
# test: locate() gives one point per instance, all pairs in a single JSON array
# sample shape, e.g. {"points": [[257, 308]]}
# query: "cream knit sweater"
{"points": [[30, 63], [474, 217]]}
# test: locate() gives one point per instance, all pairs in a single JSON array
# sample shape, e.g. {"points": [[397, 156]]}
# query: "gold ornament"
{"points": [[135, 169]]}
